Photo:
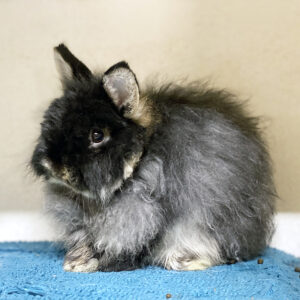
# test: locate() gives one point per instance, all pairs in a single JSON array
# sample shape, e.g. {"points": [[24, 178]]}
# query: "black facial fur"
{"points": [[67, 125]]}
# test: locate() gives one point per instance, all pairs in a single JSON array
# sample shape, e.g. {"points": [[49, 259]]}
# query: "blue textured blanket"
{"points": [[34, 270]]}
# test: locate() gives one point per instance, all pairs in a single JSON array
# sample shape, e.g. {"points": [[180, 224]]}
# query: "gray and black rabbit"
{"points": [[174, 176]]}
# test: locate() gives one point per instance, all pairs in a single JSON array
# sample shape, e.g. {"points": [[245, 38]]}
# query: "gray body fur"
{"points": [[202, 192]]}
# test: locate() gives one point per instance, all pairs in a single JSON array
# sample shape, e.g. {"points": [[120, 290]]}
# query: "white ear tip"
{"points": [[62, 67]]}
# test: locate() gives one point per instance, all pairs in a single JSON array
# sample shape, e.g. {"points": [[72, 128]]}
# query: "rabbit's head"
{"points": [[93, 136]]}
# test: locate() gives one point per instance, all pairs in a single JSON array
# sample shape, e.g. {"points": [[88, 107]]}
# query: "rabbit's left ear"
{"points": [[121, 85], [69, 67]]}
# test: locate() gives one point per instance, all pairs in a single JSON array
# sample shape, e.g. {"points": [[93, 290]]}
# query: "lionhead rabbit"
{"points": [[176, 176]]}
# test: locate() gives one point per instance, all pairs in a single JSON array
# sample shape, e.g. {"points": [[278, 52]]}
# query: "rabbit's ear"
{"points": [[121, 85], [68, 66]]}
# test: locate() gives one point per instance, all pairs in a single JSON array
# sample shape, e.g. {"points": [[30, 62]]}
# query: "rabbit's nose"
{"points": [[58, 172], [63, 174], [67, 175]]}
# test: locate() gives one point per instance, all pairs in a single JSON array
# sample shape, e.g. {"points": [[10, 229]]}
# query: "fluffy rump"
{"points": [[218, 167]]}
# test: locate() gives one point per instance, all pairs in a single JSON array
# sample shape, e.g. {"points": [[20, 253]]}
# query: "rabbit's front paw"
{"points": [[85, 267], [81, 259]]}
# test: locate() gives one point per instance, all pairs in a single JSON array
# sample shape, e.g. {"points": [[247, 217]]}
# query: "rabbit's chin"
{"points": [[84, 193], [103, 195], [106, 192]]}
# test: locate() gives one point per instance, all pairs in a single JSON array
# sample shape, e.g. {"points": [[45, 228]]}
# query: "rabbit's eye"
{"points": [[97, 136]]}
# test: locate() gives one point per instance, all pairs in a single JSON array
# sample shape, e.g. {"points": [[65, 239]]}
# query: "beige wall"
{"points": [[250, 47]]}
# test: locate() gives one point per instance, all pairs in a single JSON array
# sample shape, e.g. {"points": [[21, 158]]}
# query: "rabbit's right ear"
{"points": [[68, 66]]}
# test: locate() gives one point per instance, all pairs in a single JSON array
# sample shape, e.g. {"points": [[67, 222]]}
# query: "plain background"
{"points": [[249, 47]]}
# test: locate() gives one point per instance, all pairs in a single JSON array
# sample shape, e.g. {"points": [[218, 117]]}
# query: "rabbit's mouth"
{"points": [[85, 193]]}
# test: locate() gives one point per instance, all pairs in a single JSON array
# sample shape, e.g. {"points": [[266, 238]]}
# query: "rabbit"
{"points": [[172, 175]]}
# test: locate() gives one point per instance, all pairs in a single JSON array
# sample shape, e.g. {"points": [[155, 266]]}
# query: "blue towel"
{"points": [[33, 270]]}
